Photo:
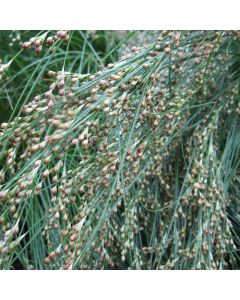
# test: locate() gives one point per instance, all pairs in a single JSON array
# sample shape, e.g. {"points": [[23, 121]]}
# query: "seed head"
{"points": [[26, 45], [85, 144]]}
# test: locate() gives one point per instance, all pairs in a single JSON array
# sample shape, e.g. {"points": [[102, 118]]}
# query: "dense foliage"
{"points": [[119, 162]]}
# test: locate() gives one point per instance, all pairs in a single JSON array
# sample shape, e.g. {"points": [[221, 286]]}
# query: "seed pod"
{"points": [[52, 256], [37, 43], [4, 125], [167, 50], [26, 45], [23, 185], [50, 40], [38, 49], [74, 142], [85, 144], [45, 174], [65, 217], [62, 34], [73, 237], [91, 77], [61, 92], [56, 216], [58, 250], [50, 104], [60, 84], [155, 123], [3, 195], [47, 260]]}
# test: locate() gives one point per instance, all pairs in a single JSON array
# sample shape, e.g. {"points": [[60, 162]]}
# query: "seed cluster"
{"points": [[130, 167], [37, 42]]}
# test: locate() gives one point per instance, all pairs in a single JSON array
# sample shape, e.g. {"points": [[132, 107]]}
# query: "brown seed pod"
{"points": [[61, 92], [37, 43], [167, 50], [38, 49], [26, 45], [50, 104], [73, 237], [50, 40], [84, 144], [45, 174], [47, 260], [74, 142], [62, 34]]}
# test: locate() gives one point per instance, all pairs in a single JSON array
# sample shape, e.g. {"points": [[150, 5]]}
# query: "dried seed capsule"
{"points": [[38, 49], [167, 50], [26, 45], [47, 260], [85, 144], [74, 142], [61, 92], [45, 174], [155, 123], [62, 34], [50, 40], [73, 237], [37, 43], [50, 104], [56, 216]]}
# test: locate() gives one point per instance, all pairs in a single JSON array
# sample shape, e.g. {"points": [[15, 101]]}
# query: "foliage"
{"points": [[128, 162]]}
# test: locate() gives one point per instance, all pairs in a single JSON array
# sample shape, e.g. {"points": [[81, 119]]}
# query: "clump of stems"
{"points": [[134, 166]]}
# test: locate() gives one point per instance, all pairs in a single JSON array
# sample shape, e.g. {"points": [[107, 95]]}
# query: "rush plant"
{"points": [[128, 162]]}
